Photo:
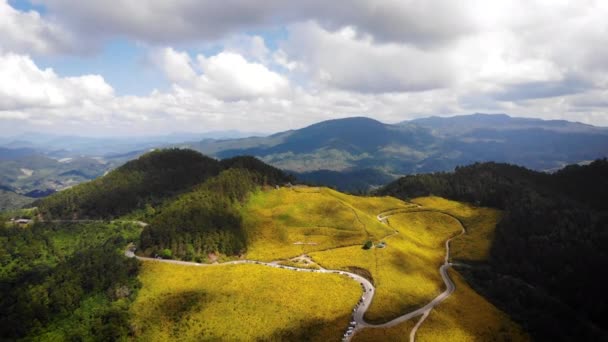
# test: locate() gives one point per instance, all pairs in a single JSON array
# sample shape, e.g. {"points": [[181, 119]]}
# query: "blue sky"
{"points": [[24, 5], [121, 62], [153, 67]]}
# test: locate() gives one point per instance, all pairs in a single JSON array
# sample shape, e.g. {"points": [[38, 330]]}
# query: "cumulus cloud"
{"points": [[229, 76], [226, 75], [23, 86], [177, 66]]}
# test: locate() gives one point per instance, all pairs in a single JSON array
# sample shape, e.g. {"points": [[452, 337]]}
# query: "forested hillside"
{"points": [[549, 249], [148, 179], [67, 281], [206, 220]]}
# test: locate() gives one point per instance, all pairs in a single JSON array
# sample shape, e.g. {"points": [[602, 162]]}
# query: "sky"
{"points": [[150, 67]]}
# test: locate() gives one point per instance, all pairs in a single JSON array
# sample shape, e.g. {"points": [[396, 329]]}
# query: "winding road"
{"points": [[369, 290]]}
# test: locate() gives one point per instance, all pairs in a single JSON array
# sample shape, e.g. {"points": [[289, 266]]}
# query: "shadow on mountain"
{"points": [[176, 306], [312, 330]]}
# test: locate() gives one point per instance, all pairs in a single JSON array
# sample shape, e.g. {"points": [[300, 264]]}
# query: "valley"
{"points": [[176, 245]]}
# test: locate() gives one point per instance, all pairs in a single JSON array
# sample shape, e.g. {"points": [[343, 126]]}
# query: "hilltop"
{"points": [[148, 180]]}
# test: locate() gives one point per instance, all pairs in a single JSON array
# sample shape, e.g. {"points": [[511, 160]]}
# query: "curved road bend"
{"points": [[425, 310], [367, 287]]}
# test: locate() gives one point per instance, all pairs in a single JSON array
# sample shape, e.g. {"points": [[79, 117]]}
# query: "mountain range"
{"points": [[353, 154], [378, 151]]}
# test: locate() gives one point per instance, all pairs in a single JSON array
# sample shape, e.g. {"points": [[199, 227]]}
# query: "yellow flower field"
{"points": [[466, 316], [240, 303], [254, 302], [405, 273], [316, 220], [480, 224]]}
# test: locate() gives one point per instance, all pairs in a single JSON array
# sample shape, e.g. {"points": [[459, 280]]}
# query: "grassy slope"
{"points": [[480, 224], [406, 272], [400, 332], [277, 219], [212, 303], [465, 315]]}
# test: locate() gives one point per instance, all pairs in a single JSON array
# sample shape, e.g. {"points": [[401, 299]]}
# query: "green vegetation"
{"points": [[354, 154], [72, 281], [150, 179], [240, 302], [66, 281], [206, 220], [548, 248], [10, 200]]}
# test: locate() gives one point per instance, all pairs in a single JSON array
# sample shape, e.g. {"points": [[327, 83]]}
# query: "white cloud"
{"points": [[391, 60], [24, 86], [177, 66], [29, 32], [254, 47], [229, 76], [225, 76]]}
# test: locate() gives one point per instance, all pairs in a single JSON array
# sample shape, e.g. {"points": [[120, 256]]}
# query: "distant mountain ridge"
{"points": [[461, 124], [417, 146], [351, 154]]}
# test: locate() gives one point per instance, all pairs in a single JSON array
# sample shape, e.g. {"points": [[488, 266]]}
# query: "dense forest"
{"points": [[66, 281], [148, 180], [205, 220], [549, 251]]}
